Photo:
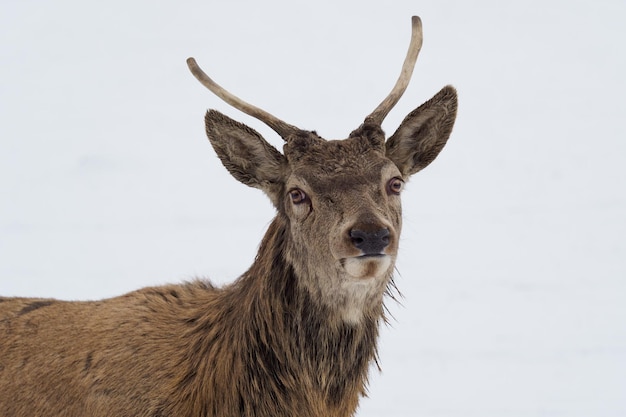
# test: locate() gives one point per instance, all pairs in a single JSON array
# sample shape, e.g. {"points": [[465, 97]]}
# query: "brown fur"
{"points": [[293, 336]]}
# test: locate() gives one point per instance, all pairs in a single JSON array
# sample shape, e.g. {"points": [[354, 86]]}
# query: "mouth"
{"points": [[367, 266]]}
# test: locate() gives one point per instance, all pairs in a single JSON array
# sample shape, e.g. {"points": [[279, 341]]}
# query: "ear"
{"points": [[423, 133], [245, 154]]}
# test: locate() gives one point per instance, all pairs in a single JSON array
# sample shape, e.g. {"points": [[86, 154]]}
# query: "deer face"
{"points": [[339, 198], [343, 203], [342, 199]]}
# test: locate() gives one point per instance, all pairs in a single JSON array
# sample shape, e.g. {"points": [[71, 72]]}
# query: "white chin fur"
{"points": [[364, 284], [364, 267]]}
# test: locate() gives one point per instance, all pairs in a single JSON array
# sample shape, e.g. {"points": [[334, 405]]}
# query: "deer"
{"points": [[294, 335]]}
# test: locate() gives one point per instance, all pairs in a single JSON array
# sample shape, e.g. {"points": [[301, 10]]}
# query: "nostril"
{"points": [[357, 237]]}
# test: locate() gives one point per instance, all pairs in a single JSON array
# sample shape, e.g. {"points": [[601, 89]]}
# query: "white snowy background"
{"points": [[513, 257]]}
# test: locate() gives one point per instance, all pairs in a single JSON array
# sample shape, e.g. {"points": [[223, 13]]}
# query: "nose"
{"points": [[370, 242]]}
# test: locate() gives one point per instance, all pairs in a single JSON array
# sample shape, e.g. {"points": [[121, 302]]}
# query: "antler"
{"points": [[280, 127], [379, 114]]}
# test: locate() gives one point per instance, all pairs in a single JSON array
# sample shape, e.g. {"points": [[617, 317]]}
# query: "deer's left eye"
{"points": [[394, 186]]}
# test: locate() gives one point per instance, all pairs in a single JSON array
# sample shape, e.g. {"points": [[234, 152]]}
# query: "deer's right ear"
{"points": [[245, 154]]}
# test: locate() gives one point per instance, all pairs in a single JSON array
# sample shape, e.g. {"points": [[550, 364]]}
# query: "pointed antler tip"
{"points": [[191, 62], [280, 127], [379, 114]]}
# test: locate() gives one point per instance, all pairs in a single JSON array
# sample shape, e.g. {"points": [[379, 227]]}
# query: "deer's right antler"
{"points": [[379, 114], [283, 129]]}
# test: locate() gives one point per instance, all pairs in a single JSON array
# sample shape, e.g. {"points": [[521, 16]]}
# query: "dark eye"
{"points": [[394, 186], [297, 196]]}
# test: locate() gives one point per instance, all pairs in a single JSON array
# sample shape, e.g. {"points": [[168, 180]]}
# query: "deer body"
{"points": [[293, 336], [260, 347]]}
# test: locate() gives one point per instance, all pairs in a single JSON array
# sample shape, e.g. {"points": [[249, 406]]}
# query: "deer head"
{"points": [[338, 199]]}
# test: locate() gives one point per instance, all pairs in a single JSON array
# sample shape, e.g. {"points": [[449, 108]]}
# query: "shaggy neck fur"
{"points": [[274, 350]]}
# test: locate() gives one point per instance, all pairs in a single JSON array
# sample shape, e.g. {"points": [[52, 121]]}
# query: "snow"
{"points": [[513, 257]]}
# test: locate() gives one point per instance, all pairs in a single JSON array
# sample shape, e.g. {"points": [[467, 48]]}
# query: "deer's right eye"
{"points": [[297, 196]]}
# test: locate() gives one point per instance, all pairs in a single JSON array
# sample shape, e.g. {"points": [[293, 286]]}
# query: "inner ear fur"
{"points": [[423, 133], [245, 154]]}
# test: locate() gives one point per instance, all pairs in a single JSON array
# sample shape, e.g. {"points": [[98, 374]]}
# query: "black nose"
{"points": [[370, 243]]}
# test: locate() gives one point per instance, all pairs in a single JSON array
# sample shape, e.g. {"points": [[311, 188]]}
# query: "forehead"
{"points": [[341, 164]]}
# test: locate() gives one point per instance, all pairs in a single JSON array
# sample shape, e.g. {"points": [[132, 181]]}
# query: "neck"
{"points": [[303, 351], [266, 346]]}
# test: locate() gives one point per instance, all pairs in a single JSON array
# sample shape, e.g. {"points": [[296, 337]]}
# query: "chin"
{"points": [[367, 267]]}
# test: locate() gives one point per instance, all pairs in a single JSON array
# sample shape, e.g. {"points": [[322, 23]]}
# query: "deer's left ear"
{"points": [[423, 133]]}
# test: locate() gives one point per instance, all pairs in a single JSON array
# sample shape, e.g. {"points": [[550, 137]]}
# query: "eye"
{"points": [[297, 196], [394, 186]]}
